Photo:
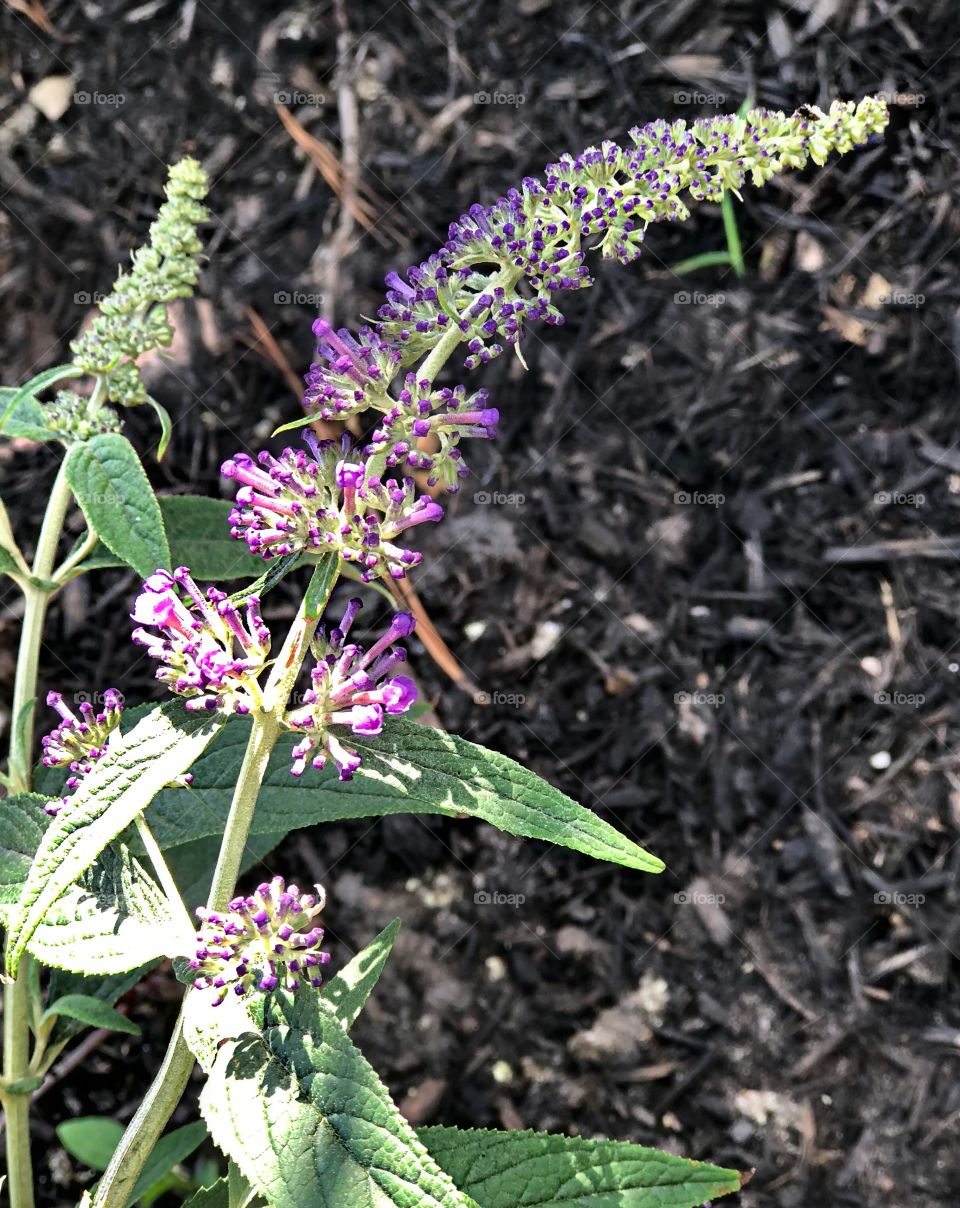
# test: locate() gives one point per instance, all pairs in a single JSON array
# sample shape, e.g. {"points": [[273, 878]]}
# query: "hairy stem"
{"points": [[167, 1088], [164, 875], [16, 997]]}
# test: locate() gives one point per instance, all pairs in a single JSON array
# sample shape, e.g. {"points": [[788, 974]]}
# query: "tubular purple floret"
{"points": [[260, 942], [207, 651], [350, 688], [78, 742], [331, 501], [530, 242]]}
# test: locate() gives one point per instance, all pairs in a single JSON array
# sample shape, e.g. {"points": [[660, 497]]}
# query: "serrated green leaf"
{"points": [[408, 769], [304, 1115], [157, 750], [199, 532], [91, 1139], [113, 920], [231, 1192], [217, 1195], [545, 1170], [105, 989], [118, 502], [93, 1012], [22, 825], [348, 990]]}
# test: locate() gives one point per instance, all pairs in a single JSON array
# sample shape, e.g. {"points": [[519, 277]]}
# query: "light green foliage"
{"points": [[408, 769], [545, 1170], [302, 1113], [93, 1012], [157, 750], [348, 991], [118, 502], [92, 1140]]}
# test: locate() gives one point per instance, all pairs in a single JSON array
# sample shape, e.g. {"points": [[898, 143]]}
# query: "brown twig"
{"points": [[34, 11], [363, 203], [436, 647]]}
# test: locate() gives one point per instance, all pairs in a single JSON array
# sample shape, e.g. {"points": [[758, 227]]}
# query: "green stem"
{"points": [[73, 560], [16, 1065], [167, 1088], [36, 601], [734, 246], [164, 875], [16, 996]]}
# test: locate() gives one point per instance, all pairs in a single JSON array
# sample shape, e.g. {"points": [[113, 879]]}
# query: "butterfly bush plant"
{"points": [[108, 841]]}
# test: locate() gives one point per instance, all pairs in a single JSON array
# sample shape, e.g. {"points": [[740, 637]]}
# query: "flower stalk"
{"points": [[168, 1086]]}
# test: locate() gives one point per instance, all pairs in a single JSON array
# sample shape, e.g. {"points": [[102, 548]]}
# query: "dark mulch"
{"points": [[713, 593]]}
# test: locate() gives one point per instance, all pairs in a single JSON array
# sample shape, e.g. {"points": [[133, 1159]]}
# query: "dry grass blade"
{"points": [[363, 208], [34, 11]]}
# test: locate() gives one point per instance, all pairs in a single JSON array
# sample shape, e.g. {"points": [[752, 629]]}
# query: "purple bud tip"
{"points": [[403, 624]]}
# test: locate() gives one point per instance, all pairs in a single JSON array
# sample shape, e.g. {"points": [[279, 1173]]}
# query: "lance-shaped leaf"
{"points": [[118, 502], [546, 1170], [198, 532], [348, 990], [157, 750], [304, 1116], [93, 1012], [22, 824], [107, 990], [113, 920], [408, 769]]}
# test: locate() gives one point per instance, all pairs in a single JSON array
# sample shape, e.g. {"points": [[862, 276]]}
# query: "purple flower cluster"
{"points": [[327, 502], [354, 373], [78, 742], [261, 941], [352, 688], [445, 414], [531, 241], [208, 652], [505, 265]]}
